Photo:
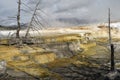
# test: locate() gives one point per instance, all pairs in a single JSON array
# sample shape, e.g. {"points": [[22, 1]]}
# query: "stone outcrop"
{"points": [[2, 67]]}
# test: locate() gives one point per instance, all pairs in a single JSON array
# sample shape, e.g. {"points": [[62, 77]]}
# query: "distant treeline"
{"points": [[14, 27]]}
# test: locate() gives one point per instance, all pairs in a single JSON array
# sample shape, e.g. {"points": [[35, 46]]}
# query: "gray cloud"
{"points": [[7, 7], [73, 21], [67, 12]]}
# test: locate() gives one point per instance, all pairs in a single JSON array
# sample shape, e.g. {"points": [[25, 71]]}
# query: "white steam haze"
{"points": [[64, 12]]}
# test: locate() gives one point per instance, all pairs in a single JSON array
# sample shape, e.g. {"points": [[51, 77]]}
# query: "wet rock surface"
{"points": [[63, 49], [8, 77], [73, 72]]}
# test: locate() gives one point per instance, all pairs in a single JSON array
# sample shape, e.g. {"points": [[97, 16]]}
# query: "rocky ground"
{"points": [[93, 63], [90, 66]]}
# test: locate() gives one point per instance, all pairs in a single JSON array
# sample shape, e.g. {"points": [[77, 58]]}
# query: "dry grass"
{"points": [[102, 40], [7, 52], [3, 41], [60, 63], [44, 58], [25, 61], [29, 67], [62, 38], [88, 46]]}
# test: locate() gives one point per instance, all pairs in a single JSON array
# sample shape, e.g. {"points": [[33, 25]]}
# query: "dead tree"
{"points": [[111, 45], [18, 20], [32, 19]]}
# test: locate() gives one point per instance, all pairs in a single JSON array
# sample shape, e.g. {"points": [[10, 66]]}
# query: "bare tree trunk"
{"points": [[18, 20], [110, 37], [111, 45]]}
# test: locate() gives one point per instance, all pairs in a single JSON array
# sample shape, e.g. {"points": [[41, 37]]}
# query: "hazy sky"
{"points": [[65, 12]]}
